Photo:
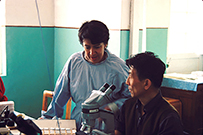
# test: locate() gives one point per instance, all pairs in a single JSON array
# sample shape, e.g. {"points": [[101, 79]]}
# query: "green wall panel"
{"points": [[66, 43], [124, 44], [27, 74], [156, 41], [140, 41]]}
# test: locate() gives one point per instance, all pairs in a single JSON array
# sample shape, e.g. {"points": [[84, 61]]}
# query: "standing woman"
{"points": [[89, 70]]}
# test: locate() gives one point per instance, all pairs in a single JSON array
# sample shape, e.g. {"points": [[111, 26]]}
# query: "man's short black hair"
{"points": [[148, 66], [96, 31]]}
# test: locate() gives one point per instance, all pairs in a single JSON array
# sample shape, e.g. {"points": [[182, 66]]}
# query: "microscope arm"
{"points": [[91, 111]]}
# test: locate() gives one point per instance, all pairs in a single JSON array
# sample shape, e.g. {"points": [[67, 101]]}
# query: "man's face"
{"points": [[135, 86], [94, 53]]}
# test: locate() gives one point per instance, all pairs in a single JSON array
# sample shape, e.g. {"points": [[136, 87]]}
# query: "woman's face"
{"points": [[94, 53]]}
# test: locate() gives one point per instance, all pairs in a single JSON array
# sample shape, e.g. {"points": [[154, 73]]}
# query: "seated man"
{"points": [[147, 113]]}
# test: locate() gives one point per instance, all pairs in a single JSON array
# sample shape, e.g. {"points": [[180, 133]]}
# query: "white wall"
{"points": [[114, 13], [157, 13], [72, 13], [68, 13], [24, 12]]}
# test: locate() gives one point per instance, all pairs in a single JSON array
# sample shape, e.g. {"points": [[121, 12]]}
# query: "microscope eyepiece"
{"points": [[104, 87], [113, 87], [110, 89]]}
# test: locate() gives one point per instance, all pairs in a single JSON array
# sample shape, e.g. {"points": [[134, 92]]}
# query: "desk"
{"points": [[190, 93], [50, 127]]}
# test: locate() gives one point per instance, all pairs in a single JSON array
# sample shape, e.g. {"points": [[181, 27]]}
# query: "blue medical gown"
{"points": [[79, 77]]}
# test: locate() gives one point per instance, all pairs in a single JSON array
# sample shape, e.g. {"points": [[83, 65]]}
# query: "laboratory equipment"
{"points": [[91, 111]]}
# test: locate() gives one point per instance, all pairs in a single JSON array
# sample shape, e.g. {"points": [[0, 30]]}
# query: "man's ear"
{"points": [[147, 84], [105, 45]]}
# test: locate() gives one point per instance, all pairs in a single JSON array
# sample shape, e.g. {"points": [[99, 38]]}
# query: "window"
{"points": [[185, 36], [186, 29], [2, 39], [181, 21]]}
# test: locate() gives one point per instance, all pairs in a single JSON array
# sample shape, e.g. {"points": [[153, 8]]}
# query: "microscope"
{"points": [[91, 111], [26, 126]]}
